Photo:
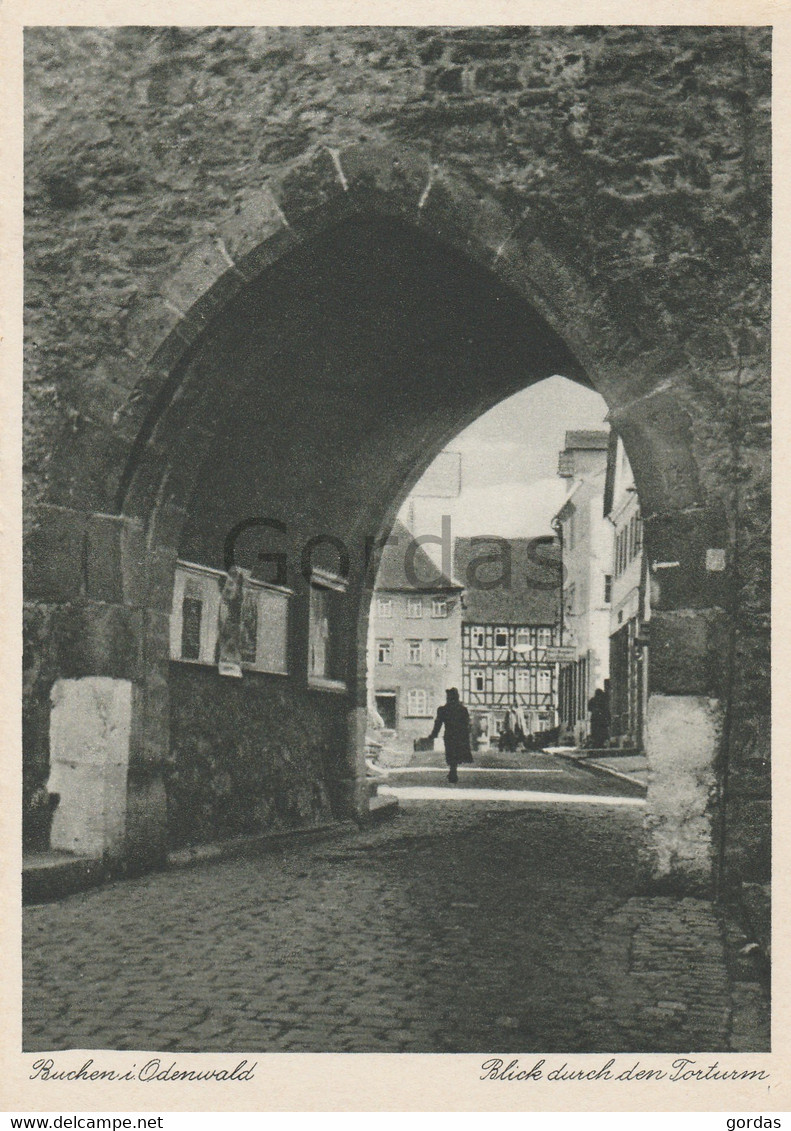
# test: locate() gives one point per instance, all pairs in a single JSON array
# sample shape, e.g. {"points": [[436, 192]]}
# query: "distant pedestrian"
{"points": [[507, 736], [455, 717], [599, 708], [520, 728]]}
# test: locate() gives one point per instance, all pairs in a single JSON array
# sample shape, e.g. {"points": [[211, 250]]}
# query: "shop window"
{"points": [[263, 628], [193, 619], [326, 667]]}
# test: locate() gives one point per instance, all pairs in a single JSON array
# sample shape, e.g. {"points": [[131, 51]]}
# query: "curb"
{"points": [[587, 763], [48, 882]]}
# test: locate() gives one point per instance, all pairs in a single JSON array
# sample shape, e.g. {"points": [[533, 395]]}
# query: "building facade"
{"points": [[414, 637], [510, 618], [630, 609], [586, 542]]}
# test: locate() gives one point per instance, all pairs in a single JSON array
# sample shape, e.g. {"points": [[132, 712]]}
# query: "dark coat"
{"points": [[456, 719]]}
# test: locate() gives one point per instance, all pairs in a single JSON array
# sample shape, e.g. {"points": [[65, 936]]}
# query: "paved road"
{"points": [[462, 925]]}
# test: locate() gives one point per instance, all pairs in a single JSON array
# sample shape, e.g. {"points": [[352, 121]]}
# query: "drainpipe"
{"points": [[557, 526]]}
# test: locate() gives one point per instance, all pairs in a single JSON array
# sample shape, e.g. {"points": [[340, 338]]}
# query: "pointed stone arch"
{"points": [[127, 530]]}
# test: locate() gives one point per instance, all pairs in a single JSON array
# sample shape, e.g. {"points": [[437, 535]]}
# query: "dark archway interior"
{"points": [[326, 390], [343, 372]]}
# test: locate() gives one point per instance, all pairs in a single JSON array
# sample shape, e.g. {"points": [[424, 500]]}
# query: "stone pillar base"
{"points": [[682, 736], [349, 794], [90, 728]]}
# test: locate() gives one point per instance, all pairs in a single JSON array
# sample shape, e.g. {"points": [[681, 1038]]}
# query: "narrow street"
{"points": [[463, 925]]}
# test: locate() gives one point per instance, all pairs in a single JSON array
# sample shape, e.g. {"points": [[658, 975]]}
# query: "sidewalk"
{"points": [[52, 875], [629, 765]]}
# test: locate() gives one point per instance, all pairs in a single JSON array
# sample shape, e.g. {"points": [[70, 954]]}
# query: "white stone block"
{"points": [[90, 728], [682, 736]]}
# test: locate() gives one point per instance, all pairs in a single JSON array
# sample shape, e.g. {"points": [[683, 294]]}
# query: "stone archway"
{"points": [[252, 281]]}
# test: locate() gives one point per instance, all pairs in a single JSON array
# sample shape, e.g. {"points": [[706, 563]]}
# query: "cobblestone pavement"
{"points": [[461, 926]]}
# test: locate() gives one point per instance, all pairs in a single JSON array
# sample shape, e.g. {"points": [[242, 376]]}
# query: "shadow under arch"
{"points": [[387, 300]]}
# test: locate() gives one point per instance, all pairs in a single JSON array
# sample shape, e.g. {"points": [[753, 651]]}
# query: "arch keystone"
{"points": [[391, 177]]}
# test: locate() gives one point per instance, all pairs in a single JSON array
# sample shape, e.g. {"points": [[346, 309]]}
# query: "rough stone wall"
{"points": [[244, 757], [643, 152], [640, 155]]}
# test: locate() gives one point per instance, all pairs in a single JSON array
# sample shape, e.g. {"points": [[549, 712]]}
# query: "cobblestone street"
{"points": [[461, 926]]}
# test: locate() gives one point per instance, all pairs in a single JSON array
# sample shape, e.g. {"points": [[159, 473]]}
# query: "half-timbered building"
{"points": [[510, 619]]}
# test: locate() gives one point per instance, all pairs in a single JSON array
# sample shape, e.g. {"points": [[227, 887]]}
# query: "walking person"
{"points": [[455, 717], [599, 708]]}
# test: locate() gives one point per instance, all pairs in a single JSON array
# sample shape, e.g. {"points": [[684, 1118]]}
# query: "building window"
{"points": [[384, 607], [415, 651], [439, 653], [439, 607], [501, 679], [501, 638], [544, 637], [544, 680], [478, 679], [384, 651], [477, 637], [418, 702], [414, 608], [523, 639], [569, 599], [325, 657], [523, 680], [607, 588]]}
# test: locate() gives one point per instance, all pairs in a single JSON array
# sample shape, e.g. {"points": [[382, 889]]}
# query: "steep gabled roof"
{"points": [[425, 576], [531, 595]]}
